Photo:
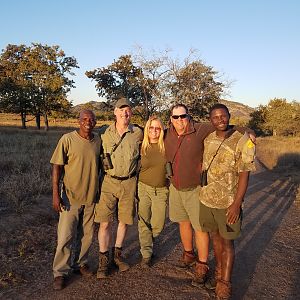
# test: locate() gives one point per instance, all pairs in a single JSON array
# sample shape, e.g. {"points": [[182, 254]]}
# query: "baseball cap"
{"points": [[122, 102]]}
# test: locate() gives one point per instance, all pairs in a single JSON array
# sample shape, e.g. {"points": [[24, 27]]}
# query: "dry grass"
{"points": [[13, 120], [24, 165], [280, 154]]}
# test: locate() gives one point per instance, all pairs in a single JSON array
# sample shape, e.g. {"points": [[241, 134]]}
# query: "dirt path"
{"points": [[267, 255]]}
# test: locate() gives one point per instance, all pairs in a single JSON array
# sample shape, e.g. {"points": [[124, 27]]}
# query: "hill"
{"points": [[238, 110]]}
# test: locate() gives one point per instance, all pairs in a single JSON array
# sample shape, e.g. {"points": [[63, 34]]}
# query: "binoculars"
{"points": [[106, 161], [169, 169], [203, 178]]}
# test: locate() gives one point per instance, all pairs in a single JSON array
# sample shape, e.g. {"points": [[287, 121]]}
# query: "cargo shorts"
{"points": [[215, 219], [184, 205], [117, 200]]}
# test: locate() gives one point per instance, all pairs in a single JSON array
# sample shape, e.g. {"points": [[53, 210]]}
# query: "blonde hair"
{"points": [[146, 144]]}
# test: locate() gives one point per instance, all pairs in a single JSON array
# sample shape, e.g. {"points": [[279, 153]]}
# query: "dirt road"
{"points": [[267, 262]]}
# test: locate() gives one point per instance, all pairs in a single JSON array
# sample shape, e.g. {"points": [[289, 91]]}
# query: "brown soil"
{"points": [[266, 266]]}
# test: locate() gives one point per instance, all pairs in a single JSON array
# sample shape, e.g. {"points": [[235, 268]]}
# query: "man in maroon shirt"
{"points": [[184, 151]]}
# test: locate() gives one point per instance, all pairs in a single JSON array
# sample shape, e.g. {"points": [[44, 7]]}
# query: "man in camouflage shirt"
{"points": [[227, 160]]}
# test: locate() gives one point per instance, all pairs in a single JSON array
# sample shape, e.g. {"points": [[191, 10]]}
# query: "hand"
{"points": [[233, 212], [56, 203]]}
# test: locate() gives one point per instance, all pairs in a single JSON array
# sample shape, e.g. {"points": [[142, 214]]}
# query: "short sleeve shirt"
{"points": [[126, 155], [80, 158], [235, 155]]}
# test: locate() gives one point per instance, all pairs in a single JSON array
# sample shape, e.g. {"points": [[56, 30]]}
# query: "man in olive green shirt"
{"points": [[121, 146], [76, 160]]}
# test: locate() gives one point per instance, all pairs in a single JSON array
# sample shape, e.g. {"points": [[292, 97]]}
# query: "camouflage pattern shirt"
{"points": [[235, 155]]}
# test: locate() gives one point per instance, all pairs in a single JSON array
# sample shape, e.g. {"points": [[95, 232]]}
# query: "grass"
{"points": [[25, 177], [25, 171], [279, 152], [24, 165], [281, 155]]}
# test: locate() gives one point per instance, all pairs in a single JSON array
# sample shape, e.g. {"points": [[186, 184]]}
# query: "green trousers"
{"points": [[151, 215], [76, 225]]}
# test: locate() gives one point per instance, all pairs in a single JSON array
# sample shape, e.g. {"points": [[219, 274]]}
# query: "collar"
{"points": [[190, 128]]}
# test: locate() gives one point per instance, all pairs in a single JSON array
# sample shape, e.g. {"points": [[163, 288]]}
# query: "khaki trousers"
{"points": [[151, 215], [76, 224]]}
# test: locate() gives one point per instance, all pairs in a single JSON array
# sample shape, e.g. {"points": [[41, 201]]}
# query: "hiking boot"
{"points": [[84, 270], [146, 262], [223, 290], [119, 260], [102, 271], [59, 283], [200, 272], [188, 259], [211, 282]]}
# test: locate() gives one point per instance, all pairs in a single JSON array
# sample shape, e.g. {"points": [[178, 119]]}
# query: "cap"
{"points": [[122, 102]]}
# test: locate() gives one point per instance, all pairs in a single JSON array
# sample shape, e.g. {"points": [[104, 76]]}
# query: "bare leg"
{"points": [[227, 259], [202, 244], [218, 247], [104, 236], [121, 232], [186, 235]]}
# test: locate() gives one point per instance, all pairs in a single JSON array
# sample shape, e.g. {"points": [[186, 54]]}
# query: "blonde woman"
{"points": [[152, 188]]}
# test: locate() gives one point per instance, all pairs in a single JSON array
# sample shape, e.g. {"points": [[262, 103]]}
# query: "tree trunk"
{"points": [[38, 121], [23, 118], [46, 122]]}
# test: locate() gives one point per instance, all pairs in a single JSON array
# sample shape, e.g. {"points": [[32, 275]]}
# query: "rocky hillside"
{"points": [[238, 110]]}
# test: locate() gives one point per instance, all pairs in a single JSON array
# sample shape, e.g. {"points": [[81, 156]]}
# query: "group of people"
{"points": [[200, 169]]}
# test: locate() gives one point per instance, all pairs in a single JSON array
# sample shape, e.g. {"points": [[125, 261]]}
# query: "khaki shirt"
{"points": [[125, 157], [235, 155], [80, 158]]}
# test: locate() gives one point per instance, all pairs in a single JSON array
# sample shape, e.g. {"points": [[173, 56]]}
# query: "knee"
{"points": [[104, 226]]}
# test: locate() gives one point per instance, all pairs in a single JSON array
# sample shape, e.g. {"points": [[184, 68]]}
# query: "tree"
{"points": [[194, 85], [120, 79], [175, 81], [278, 117], [153, 83], [39, 70], [14, 89], [258, 119]]}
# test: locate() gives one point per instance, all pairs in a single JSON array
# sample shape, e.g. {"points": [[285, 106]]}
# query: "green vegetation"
{"points": [[278, 118], [33, 81], [153, 84]]}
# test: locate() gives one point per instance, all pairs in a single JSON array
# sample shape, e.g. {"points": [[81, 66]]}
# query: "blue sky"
{"points": [[255, 44]]}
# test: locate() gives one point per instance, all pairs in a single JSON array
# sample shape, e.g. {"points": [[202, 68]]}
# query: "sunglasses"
{"points": [[155, 128], [180, 116]]}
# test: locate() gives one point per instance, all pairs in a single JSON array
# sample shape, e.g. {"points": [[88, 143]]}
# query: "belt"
{"points": [[122, 178]]}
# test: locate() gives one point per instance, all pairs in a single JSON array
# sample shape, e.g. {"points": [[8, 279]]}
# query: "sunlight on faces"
{"points": [[179, 124], [219, 118], [87, 121], [123, 115], [154, 131]]}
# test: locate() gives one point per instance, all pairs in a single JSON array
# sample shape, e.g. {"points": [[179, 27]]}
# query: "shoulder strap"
{"points": [[118, 144], [228, 135]]}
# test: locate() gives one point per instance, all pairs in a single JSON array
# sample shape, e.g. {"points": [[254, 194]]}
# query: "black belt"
{"points": [[122, 178]]}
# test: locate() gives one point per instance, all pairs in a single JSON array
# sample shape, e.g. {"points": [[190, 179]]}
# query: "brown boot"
{"points": [[211, 282], [102, 271], [188, 259], [223, 290], [200, 272], [119, 260], [59, 283]]}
